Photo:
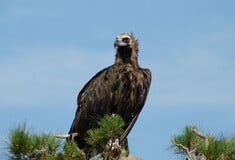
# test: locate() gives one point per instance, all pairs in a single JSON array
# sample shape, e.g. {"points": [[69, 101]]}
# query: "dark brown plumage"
{"points": [[121, 89]]}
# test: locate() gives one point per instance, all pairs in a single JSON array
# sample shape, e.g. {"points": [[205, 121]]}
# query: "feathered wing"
{"points": [[90, 101], [142, 92], [117, 89]]}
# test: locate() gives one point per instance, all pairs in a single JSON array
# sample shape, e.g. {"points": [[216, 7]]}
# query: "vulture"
{"points": [[121, 89]]}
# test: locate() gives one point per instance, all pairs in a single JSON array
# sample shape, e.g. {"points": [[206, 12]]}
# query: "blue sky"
{"points": [[50, 49]]}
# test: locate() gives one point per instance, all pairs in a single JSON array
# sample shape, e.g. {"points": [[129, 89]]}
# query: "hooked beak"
{"points": [[119, 43]]}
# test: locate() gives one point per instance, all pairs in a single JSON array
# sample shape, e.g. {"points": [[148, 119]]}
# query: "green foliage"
{"points": [[24, 145], [187, 138], [192, 143], [219, 149], [110, 128], [20, 142], [71, 151]]}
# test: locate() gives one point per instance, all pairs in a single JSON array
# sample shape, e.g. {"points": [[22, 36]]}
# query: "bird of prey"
{"points": [[121, 89]]}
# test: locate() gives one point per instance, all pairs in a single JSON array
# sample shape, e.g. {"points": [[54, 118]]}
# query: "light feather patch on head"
{"points": [[124, 39], [127, 49]]}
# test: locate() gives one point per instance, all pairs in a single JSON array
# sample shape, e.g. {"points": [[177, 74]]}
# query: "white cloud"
{"points": [[12, 12], [194, 77], [53, 76], [42, 77]]}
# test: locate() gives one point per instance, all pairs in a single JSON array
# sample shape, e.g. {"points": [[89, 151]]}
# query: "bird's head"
{"points": [[126, 40], [127, 47]]}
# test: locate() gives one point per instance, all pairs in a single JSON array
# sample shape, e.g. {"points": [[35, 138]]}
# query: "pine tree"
{"points": [[23, 144], [196, 145], [105, 139]]}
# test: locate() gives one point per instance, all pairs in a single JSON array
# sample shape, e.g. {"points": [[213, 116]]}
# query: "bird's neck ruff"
{"points": [[126, 55]]}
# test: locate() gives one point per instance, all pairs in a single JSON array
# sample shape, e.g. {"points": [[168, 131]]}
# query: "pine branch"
{"points": [[25, 145], [65, 136], [190, 154], [201, 135], [105, 140], [196, 145]]}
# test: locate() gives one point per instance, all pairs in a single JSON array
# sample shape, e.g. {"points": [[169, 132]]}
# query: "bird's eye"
{"points": [[126, 40]]}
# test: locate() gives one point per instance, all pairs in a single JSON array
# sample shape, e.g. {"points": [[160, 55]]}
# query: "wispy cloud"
{"points": [[42, 76], [11, 12], [194, 77]]}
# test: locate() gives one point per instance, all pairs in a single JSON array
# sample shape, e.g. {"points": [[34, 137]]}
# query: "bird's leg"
{"points": [[112, 144], [113, 149]]}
